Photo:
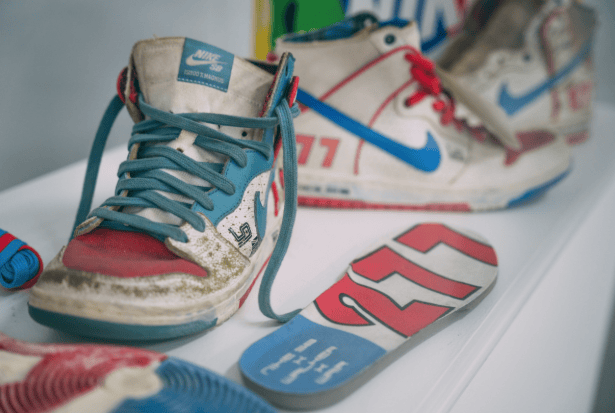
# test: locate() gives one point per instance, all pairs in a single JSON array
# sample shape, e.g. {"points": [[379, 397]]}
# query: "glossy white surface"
{"points": [[533, 344]]}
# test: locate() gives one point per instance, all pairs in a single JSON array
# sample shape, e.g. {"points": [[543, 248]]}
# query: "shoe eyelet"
{"points": [[527, 57], [244, 133], [389, 39]]}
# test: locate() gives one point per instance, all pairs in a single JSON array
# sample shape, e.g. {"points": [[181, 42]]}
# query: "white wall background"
{"points": [[604, 49], [60, 61]]}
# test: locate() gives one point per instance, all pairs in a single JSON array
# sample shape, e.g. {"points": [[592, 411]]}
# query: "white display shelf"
{"points": [[534, 344]]}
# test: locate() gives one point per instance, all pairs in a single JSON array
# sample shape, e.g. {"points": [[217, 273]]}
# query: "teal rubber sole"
{"points": [[81, 326], [537, 191]]}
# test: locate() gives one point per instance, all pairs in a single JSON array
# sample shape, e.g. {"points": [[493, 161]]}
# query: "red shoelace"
{"points": [[423, 70]]}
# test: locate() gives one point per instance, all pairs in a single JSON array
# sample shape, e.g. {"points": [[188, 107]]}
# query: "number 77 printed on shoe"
{"points": [[415, 282]]}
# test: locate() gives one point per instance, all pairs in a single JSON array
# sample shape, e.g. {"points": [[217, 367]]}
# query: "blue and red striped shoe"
{"points": [[201, 207], [20, 264], [91, 378]]}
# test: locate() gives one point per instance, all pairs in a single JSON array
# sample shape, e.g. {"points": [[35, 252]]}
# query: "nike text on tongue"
{"points": [[210, 65]]}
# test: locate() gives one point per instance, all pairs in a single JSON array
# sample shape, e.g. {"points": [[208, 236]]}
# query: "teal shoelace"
{"points": [[147, 175]]}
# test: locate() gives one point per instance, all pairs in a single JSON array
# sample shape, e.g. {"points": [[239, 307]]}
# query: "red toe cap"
{"points": [[125, 254]]}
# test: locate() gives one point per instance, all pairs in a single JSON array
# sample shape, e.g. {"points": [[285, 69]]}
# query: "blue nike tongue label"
{"points": [[204, 64]]}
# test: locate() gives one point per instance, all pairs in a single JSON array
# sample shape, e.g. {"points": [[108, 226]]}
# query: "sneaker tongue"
{"points": [[182, 75]]}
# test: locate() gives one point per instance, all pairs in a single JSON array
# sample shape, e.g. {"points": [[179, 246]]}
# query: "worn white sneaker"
{"points": [[526, 68], [378, 131], [201, 207]]}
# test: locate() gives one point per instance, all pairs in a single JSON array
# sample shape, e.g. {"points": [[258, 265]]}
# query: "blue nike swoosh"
{"points": [[512, 104], [260, 215], [426, 159]]}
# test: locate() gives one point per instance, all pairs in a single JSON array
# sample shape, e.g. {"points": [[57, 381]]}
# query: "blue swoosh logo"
{"points": [[512, 104], [426, 159], [260, 215]]}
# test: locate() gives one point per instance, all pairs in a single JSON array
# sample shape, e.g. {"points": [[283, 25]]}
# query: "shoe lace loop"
{"points": [[424, 71]]}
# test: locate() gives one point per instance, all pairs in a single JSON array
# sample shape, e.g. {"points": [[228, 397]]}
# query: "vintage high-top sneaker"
{"points": [[378, 131], [525, 67], [201, 208]]}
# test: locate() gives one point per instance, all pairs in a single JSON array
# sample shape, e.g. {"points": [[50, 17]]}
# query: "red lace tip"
{"points": [[414, 99], [121, 84], [435, 85], [292, 93], [438, 106]]}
